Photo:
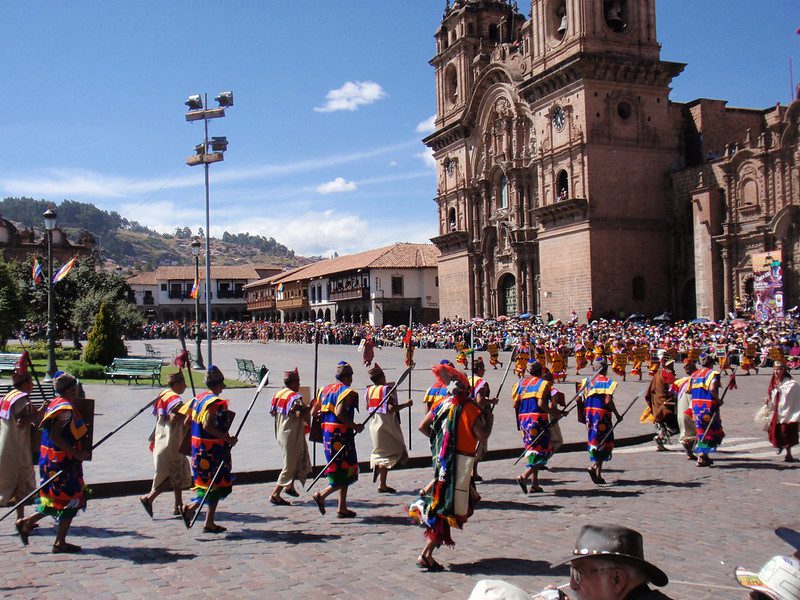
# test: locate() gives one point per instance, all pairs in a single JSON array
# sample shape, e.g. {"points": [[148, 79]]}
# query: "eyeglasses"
{"points": [[578, 574]]}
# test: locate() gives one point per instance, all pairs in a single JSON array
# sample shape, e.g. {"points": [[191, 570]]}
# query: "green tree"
{"points": [[105, 342], [11, 306]]}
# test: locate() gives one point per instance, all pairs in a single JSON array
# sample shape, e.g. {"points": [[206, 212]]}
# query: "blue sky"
{"points": [[92, 108]]}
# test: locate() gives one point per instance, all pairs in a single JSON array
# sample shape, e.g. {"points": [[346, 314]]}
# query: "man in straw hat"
{"points": [[17, 478], [608, 562], [172, 470], [291, 417], [388, 443], [61, 450], [336, 403], [210, 419]]}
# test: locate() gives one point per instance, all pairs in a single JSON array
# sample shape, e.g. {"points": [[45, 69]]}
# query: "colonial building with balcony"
{"points": [[378, 286], [22, 245], [165, 294]]}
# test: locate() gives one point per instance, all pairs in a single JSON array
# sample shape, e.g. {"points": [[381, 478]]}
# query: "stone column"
{"points": [[487, 292], [531, 288], [518, 284], [727, 283]]}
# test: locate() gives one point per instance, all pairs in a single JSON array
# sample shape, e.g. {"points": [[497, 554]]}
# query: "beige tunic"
{"points": [[290, 431], [388, 444], [169, 462], [17, 478]]}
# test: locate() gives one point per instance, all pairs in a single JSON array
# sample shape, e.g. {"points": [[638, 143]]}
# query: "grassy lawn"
{"points": [[41, 368]]}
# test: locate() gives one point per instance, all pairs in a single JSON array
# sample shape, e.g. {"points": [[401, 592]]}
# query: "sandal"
{"points": [[215, 529], [278, 501], [387, 490], [536, 490], [522, 484], [176, 511], [319, 501], [345, 514], [187, 514], [23, 532], [593, 475], [291, 492], [428, 564], [148, 506], [65, 548], [704, 461]]}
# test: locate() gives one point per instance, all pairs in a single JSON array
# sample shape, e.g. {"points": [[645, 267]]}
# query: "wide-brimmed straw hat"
{"points": [[779, 578]]}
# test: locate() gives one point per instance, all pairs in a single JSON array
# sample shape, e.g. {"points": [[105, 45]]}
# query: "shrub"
{"points": [[84, 370], [104, 342]]}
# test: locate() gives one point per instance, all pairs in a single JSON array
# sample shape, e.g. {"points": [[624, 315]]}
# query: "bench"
{"points": [[151, 351], [248, 370], [8, 362], [134, 369], [35, 395]]}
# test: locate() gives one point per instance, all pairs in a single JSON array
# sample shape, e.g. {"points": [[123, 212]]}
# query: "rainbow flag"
{"points": [[280, 287], [64, 270], [195, 290], [36, 272]]}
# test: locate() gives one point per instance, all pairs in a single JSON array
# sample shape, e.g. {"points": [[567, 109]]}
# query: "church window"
{"points": [[562, 186], [451, 84], [397, 286], [494, 33], [559, 20], [616, 15], [445, 40], [503, 192], [451, 219], [624, 110], [638, 288]]}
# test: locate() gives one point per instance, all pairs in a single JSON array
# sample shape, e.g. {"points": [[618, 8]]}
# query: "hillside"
{"points": [[130, 245]]}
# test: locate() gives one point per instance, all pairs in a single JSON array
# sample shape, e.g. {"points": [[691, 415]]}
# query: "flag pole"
{"points": [[314, 389], [411, 360]]}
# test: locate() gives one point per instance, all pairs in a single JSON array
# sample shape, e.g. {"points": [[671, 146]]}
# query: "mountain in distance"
{"points": [[128, 244]]}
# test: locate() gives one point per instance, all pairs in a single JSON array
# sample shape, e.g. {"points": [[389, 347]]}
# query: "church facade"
{"points": [[567, 179]]}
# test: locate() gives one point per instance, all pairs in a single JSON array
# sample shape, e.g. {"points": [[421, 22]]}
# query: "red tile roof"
{"points": [[247, 272]]}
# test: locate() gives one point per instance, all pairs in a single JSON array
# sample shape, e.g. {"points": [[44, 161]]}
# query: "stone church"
{"points": [[567, 179]]}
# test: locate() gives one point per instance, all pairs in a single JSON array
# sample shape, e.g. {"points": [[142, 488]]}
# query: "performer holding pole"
{"points": [[62, 494], [291, 417], [706, 403], [598, 397], [408, 342], [388, 445], [532, 402]]}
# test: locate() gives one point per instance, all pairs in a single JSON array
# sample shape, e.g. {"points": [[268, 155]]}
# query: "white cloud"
{"points": [[336, 186], [428, 125], [394, 163], [427, 158], [352, 95]]}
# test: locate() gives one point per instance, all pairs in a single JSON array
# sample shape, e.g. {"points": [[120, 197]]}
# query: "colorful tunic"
{"points": [[557, 364], [619, 362], [209, 452], [290, 431], [17, 478], [596, 397], [434, 395], [704, 407], [344, 470], [531, 397], [723, 360], [580, 359], [65, 495], [388, 443], [480, 387], [169, 463], [461, 354], [494, 354], [521, 361], [453, 446], [749, 358]]}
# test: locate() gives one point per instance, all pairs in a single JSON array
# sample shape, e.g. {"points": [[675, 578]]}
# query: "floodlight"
{"points": [[225, 99], [194, 102]]}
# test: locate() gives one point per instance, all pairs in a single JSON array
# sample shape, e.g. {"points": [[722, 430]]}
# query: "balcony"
{"points": [[296, 302], [261, 304], [148, 301], [178, 295], [229, 294], [353, 294]]}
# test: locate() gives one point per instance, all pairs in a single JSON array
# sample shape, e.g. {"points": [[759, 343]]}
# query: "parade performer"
{"points": [[481, 394], [704, 387], [598, 400], [461, 353], [661, 400], [291, 418], [639, 355], [723, 360], [210, 419], [685, 415], [783, 429], [540, 354], [61, 450], [533, 403], [748, 360], [172, 470], [580, 358], [336, 404], [455, 427], [557, 364], [437, 392], [619, 359], [17, 478], [369, 350], [388, 443], [523, 354], [494, 353]]}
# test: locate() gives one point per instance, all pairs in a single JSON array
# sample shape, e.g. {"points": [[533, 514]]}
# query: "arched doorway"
{"points": [[507, 295], [688, 301]]}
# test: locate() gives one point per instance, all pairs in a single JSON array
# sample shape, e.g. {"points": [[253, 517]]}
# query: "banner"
{"points": [[767, 286]]}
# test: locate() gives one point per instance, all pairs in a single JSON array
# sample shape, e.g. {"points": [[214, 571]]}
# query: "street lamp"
{"points": [[50, 225], [196, 245], [198, 110]]}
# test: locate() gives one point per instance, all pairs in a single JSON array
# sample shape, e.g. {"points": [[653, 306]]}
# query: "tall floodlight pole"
{"points": [[198, 110], [50, 225]]}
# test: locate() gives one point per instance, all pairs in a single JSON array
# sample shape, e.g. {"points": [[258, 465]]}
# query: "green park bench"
{"points": [[35, 395], [152, 351], [8, 362], [247, 369], [135, 368]]}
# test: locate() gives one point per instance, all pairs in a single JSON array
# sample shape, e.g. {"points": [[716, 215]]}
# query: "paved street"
{"points": [[698, 524]]}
